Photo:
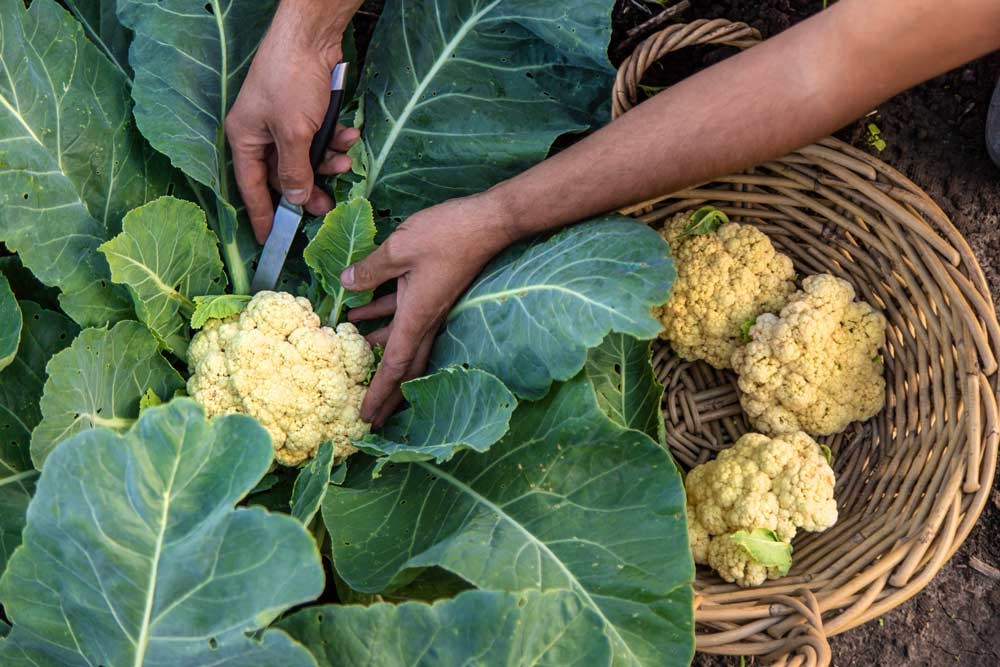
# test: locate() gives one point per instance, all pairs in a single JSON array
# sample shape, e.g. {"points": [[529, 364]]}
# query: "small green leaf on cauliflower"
{"points": [[815, 367], [303, 382], [705, 220], [736, 557], [726, 276], [766, 548]]}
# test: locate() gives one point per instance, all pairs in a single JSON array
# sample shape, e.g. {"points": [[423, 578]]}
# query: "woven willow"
{"points": [[912, 481]]}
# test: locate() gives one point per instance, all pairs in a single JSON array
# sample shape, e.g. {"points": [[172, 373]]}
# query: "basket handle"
{"points": [[625, 94]]}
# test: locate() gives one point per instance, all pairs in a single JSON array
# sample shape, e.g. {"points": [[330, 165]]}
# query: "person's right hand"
{"points": [[281, 106]]}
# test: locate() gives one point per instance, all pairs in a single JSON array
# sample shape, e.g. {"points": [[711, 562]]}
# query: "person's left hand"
{"points": [[434, 255]]}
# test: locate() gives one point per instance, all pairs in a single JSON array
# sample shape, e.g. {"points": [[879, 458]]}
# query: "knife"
{"points": [[288, 216]]}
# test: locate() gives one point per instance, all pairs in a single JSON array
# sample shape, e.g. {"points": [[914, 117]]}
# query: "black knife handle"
{"points": [[322, 139]]}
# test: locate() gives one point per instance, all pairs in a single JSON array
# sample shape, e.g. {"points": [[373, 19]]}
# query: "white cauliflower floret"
{"points": [[301, 381], [781, 483], [725, 279], [817, 366]]}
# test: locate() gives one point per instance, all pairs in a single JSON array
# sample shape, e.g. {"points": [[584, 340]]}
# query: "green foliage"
{"points": [[72, 163], [627, 390], [745, 329], [166, 255], [545, 531], [566, 500], [45, 333], [873, 137], [452, 410], [161, 569], [189, 60], [10, 324], [217, 307], [460, 95], [705, 220], [533, 313], [346, 236], [827, 453], [99, 381], [527, 628], [311, 484], [765, 547]]}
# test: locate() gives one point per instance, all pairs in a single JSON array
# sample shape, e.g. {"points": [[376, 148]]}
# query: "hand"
{"points": [[281, 106], [434, 255]]}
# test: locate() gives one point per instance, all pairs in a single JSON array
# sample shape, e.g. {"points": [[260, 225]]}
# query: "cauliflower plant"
{"points": [[780, 484], [726, 276], [817, 366], [303, 382]]}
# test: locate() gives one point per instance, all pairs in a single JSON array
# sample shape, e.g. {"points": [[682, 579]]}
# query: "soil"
{"points": [[934, 134]]}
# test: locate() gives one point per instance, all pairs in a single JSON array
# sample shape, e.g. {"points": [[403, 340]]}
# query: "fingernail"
{"points": [[367, 416], [297, 196], [347, 277]]}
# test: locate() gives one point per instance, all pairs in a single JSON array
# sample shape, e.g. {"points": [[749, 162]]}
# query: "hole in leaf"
{"points": [[319, 618], [529, 75], [208, 8], [24, 196], [618, 369], [213, 643]]}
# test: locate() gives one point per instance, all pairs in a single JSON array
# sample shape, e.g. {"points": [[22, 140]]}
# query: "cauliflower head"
{"points": [[817, 366], [781, 484], [725, 279], [303, 382]]}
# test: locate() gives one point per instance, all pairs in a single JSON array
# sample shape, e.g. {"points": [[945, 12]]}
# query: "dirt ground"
{"points": [[934, 135]]}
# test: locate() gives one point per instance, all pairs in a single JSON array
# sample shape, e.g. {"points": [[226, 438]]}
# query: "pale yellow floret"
{"points": [[817, 366], [782, 483], [724, 279], [274, 362]]}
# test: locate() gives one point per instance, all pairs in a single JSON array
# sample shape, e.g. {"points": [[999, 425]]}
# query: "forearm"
{"points": [[318, 23], [763, 103]]}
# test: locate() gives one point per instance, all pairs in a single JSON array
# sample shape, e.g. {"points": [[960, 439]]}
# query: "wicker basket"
{"points": [[912, 481]]}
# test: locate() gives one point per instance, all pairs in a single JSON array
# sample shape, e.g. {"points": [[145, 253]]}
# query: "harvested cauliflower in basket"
{"points": [[727, 274], [817, 366], [745, 506], [303, 382]]}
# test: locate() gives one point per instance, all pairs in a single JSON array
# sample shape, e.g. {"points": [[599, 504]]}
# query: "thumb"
{"points": [[295, 174], [372, 271]]}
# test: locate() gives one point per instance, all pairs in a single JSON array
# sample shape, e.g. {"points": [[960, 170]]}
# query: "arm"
{"points": [[799, 86], [281, 106], [760, 104]]}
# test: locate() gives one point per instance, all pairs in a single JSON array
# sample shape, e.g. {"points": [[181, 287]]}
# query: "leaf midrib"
{"points": [[411, 104], [143, 641], [575, 584]]}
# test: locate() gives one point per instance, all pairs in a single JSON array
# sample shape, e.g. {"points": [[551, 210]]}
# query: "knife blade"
{"points": [[288, 216]]}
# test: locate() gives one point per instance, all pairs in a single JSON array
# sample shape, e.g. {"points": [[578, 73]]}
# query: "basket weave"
{"points": [[912, 481]]}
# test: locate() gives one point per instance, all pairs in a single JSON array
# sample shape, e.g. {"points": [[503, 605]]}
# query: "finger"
{"points": [[250, 169], [295, 175], [387, 408], [320, 203], [375, 269], [334, 163], [379, 337], [400, 350], [344, 138], [416, 370], [380, 307]]}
